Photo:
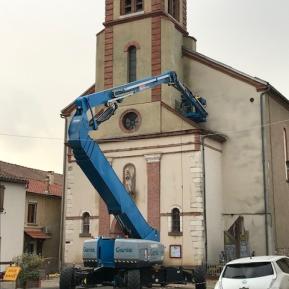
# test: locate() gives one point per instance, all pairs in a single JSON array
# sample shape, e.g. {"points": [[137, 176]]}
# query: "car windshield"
{"points": [[248, 270]]}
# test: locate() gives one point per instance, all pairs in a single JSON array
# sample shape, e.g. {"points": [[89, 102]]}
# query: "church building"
{"points": [[218, 188]]}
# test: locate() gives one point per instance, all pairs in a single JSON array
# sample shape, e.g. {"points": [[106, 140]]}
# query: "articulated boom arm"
{"points": [[93, 162]]}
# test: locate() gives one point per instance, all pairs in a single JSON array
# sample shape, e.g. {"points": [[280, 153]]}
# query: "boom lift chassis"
{"points": [[124, 263]]}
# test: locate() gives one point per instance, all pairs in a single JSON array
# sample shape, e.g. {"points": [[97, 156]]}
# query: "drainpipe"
{"points": [[262, 99], [61, 247], [203, 137]]}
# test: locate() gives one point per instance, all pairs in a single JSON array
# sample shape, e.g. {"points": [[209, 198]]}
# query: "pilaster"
{"points": [[153, 187]]}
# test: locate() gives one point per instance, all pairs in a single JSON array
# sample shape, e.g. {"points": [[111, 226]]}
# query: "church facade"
{"points": [[215, 188]]}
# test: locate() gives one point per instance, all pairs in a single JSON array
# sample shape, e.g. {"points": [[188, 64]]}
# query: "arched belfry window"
{"points": [[174, 8], [132, 62], [85, 223], [130, 6], [176, 220]]}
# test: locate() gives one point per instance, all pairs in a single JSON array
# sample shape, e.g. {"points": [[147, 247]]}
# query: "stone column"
{"points": [[153, 190]]}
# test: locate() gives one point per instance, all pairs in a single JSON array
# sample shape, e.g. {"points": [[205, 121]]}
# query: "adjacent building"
{"points": [[12, 209], [215, 190], [32, 211]]}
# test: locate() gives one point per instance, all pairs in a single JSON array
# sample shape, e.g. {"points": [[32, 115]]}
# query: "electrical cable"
{"points": [[222, 132]]}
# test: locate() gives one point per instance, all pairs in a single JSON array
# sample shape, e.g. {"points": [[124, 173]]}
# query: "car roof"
{"points": [[256, 259]]}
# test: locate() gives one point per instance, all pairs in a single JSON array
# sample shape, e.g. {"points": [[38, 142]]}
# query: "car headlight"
{"points": [[218, 285]]}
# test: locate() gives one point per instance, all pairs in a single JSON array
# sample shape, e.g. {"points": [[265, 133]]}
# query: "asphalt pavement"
{"points": [[53, 284]]}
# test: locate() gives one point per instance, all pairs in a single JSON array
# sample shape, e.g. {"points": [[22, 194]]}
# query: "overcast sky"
{"points": [[47, 58]]}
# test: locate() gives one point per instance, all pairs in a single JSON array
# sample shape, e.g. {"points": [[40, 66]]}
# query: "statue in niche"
{"points": [[129, 179]]}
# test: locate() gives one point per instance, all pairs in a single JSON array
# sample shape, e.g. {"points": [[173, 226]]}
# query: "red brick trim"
{"points": [[153, 193], [108, 57], [158, 5], [104, 219], [156, 55], [185, 14], [108, 10], [148, 15], [198, 141], [131, 43], [217, 66]]}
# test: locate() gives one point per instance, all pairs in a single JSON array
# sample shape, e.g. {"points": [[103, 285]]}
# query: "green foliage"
{"points": [[30, 265]]}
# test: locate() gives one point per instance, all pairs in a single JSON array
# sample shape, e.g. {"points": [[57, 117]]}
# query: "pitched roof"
{"points": [[69, 108], [6, 177], [260, 84], [37, 180]]}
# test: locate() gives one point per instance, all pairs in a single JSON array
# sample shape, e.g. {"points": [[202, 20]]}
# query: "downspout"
{"points": [[61, 247], [203, 137], [262, 98]]}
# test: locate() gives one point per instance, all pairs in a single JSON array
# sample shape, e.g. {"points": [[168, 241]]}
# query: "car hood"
{"points": [[252, 283]]}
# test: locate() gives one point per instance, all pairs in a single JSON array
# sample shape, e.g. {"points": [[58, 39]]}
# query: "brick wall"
{"points": [[156, 54], [153, 193], [104, 219]]}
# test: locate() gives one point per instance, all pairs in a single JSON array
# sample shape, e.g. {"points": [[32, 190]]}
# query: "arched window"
{"points": [[174, 8], [85, 223], [285, 147], [176, 220], [130, 6], [131, 63]]}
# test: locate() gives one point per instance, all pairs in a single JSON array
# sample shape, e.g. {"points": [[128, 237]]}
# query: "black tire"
{"points": [[199, 276], [133, 279], [67, 279]]}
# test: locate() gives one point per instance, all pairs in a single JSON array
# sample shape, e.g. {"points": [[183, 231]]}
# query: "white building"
{"points": [[227, 194], [12, 212]]}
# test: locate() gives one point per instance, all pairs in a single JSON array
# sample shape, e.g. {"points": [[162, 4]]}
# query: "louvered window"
{"points": [[131, 6], [174, 8]]}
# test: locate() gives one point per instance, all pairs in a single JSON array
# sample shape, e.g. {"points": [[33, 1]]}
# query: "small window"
{"points": [[32, 211], [85, 223], [131, 6], [176, 221], [131, 64], [174, 8], [130, 121], [2, 189]]}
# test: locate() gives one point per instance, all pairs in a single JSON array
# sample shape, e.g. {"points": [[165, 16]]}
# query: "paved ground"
{"points": [[53, 284]]}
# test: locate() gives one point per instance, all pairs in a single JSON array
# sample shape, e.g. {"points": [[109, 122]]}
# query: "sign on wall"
{"points": [[175, 251], [12, 273]]}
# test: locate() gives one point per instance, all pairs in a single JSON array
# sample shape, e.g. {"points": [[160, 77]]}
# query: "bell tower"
{"points": [[141, 38]]}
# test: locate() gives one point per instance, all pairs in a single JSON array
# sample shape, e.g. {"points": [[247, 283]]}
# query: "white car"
{"points": [[266, 272]]}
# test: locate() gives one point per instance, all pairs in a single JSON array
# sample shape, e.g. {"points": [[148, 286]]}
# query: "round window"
{"points": [[130, 121]]}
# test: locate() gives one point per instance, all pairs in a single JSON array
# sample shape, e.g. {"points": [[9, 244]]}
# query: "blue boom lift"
{"points": [[136, 261]]}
